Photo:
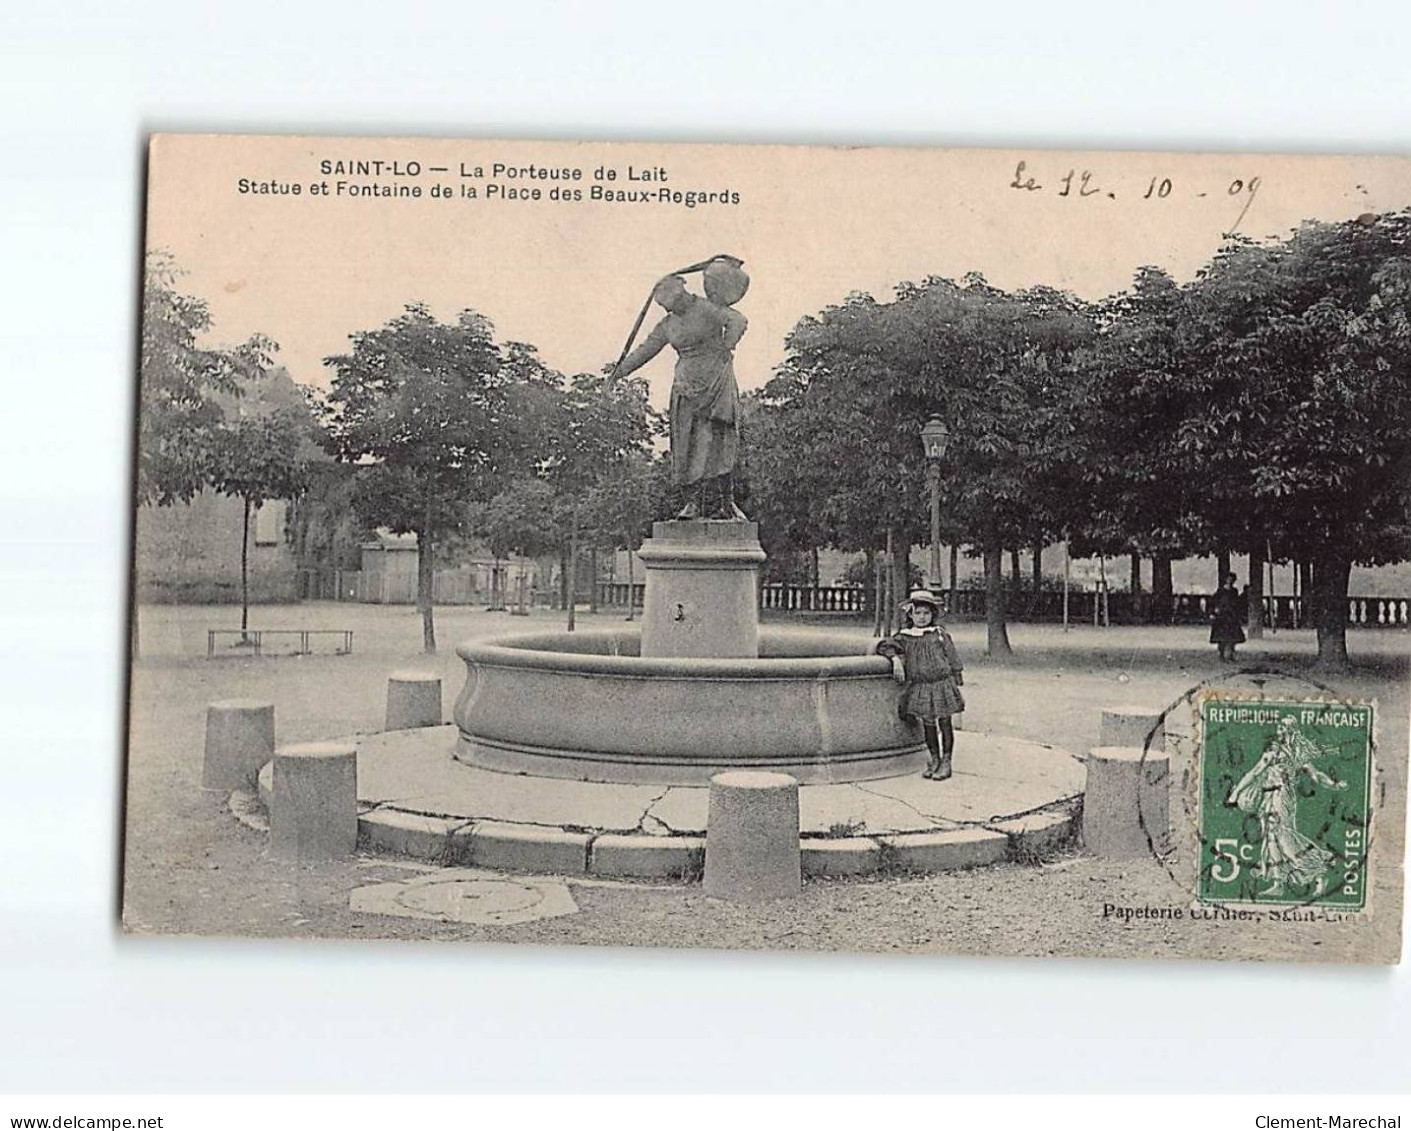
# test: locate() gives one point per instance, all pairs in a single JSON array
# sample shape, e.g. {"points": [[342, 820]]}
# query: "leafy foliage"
{"points": [[180, 384], [420, 406], [1266, 402], [260, 456], [840, 422]]}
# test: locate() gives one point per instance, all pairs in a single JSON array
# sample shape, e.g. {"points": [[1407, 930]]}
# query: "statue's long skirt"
{"points": [[705, 436]]}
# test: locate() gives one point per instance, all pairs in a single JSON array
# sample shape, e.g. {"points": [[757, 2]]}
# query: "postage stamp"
{"points": [[1285, 801]]}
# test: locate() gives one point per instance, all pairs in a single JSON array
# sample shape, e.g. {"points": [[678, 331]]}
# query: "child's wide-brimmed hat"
{"points": [[924, 597]]}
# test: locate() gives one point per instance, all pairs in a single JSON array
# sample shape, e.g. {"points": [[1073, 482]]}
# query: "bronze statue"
{"points": [[705, 401]]}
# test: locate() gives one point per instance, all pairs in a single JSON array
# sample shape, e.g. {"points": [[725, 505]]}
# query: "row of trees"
{"points": [[428, 428], [1263, 408], [452, 434]]}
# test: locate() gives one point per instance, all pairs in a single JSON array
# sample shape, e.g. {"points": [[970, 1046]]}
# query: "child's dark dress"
{"points": [[933, 671]]}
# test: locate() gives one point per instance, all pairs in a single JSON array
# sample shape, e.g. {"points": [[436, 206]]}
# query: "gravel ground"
{"points": [[191, 868]]}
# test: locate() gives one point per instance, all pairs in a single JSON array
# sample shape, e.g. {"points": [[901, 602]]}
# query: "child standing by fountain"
{"points": [[924, 659]]}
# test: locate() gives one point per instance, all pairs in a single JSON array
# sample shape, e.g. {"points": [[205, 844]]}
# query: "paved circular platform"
{"points": [[1009, 799]]}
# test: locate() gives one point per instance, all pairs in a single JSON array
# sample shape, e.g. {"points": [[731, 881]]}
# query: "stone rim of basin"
{"points": [[832, 654]]}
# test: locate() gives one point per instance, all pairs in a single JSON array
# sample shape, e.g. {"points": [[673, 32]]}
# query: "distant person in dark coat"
{"points": [[1228, 610]]}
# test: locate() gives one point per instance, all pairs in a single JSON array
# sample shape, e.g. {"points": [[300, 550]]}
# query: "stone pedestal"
{"points": [[1127, 803], [413, 700], [701, 590], [239, 740], [752, 837], [314, 801], [1126, 725]]}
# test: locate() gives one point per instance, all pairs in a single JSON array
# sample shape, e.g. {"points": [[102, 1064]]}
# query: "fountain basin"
{"points": [[587, 706]]}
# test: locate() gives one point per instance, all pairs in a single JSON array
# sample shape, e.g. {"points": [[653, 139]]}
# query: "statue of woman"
{"points": [[1269, 792], [705, 401]]}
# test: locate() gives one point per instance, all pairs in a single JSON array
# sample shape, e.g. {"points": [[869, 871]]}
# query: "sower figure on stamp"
{"points": [[705, 399], [1270, 792], [924, 659]]}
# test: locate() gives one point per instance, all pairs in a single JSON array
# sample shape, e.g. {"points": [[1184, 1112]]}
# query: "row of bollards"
{"points": [[314, 799], [752, 844]]}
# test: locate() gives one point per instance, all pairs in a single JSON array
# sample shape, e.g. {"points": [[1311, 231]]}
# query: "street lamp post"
{"points": [[934, 438]]}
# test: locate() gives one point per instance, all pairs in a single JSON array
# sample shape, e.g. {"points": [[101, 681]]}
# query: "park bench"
{"points": [[256, 638]]}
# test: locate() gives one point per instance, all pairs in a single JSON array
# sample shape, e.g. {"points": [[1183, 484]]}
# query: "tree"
{"points": [[1135, 490], [599, 424], [419, 405], [1264, 404], [327, 528], [259, 456], [861, 378], [520, 520], [1304, 351], [180, 382], [620, 508], [827, 455]]}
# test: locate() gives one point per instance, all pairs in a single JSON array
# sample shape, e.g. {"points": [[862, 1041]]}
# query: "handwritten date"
{"points": [[1080, 184]]}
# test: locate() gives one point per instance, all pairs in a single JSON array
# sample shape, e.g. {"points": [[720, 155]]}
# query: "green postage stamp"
{"points": [[1285, 802]]}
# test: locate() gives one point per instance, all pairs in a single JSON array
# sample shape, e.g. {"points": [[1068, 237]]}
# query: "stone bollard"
{"points": [[1127, 803], [413, 700], [752, 837], [239, 740], [314, 801], [1132, 726]]}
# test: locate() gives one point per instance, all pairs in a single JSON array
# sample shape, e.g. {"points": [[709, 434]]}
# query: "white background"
{"points": [[80, 85]]}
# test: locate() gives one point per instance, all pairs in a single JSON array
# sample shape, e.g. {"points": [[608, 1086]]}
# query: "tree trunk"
{"points": [[1067, 575], [1136, 585], [1162, 590], [1222, 566], [245, 572], [901, 577], [874, 563], [1309, 613], [1038, 567], [1254, 628], [1331, 575], [425, 584], [889, 596], [631, 580], [593, 580], [996, 634], [1016, 578], [572, 567], [954, 604], [563, 576], [813, 568], [869, 587]]}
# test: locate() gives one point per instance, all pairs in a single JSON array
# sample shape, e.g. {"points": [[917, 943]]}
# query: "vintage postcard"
{"points": [[969, 552]]}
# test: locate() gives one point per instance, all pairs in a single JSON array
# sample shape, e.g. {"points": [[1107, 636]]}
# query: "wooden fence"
{"points": [[381, 587]]}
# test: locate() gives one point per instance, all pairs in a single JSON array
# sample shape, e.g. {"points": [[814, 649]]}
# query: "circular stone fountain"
{"points": [[588, 706], [699, 690], [592, 752]]}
